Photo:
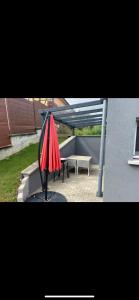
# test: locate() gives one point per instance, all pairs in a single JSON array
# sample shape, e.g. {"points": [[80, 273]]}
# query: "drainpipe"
{"points": [[102, 149], [7, 115]]}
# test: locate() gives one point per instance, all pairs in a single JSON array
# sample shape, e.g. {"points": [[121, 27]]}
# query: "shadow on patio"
{"points": [[78, 188]]}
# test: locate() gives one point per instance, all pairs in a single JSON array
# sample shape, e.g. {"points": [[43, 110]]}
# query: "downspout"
{"points": [[102, 149]]}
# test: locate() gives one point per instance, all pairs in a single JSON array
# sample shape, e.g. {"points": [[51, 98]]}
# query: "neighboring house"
{"points": [[121, 172], [41, 100], [50, 101], [60, 101], [20, 122]]}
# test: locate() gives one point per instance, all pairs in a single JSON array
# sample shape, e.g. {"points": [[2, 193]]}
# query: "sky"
{"points": [[79, 100]]}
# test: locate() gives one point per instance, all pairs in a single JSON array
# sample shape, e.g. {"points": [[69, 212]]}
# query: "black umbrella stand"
{"points": [[45, 195]]}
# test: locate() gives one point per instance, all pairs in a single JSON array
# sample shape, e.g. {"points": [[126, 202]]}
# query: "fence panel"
{"points": [[4, 130], [37, 106], [21, 116]]}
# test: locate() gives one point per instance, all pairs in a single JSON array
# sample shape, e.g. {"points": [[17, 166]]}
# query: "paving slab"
{"points": [[78, 188]]}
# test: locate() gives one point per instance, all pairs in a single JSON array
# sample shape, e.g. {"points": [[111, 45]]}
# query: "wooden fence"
{"points": [[18, 116], [4, 130]]}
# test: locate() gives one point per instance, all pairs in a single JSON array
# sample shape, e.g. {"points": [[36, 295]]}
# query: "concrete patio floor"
{"points": [[78, 188]]}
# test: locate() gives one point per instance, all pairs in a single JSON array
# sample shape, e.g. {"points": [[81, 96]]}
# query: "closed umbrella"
{"points": [[50, 155]]}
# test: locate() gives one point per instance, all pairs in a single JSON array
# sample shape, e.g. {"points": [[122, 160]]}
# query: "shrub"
{"points": [[91, 130]]}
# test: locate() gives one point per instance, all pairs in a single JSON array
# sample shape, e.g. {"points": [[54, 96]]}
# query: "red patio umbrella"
{"points": [[50, 157]]}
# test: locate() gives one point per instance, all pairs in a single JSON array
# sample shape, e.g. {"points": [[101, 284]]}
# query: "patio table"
{"points": [[72, 162], [80, 161]]}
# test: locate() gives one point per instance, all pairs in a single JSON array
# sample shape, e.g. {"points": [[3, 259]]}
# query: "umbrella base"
{"points": [[51, 197]]}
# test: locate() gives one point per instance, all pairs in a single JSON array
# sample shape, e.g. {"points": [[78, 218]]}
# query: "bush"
{"points": [[91, 130]]}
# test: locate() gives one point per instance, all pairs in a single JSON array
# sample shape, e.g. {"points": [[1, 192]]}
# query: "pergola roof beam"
{"points": [[78, 118], [63, 122], [76, 113], [84, 120], [87, 125], [74, 106]]}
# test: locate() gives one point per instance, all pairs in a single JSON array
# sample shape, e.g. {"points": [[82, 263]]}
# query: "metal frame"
{"points": [[74, 115], [74, 106], [102, 149], [80, 118], [87, 124], [84, 118], [74, 124]]}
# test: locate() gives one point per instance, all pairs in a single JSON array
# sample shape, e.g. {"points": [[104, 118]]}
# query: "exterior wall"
{"points": [[19, 142], [121, 181], [90, 146]]}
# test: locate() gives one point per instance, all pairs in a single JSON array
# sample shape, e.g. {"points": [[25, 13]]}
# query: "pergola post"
{"points": [[102, 149]]}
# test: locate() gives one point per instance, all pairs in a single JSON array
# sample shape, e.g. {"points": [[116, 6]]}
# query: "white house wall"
{"points": [[121, 180]]}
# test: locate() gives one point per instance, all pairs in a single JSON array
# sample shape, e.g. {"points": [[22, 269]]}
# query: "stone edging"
{"points": [[23, 190]]}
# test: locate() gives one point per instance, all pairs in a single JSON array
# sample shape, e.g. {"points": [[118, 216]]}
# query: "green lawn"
{"points": [[11, 168]]}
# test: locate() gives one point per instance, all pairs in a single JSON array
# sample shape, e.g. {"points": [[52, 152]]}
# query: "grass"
{"points": [[10, 170], [61, 139]]}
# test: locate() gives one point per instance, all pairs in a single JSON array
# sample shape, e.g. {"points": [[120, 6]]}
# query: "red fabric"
{"points": [[54, 153]]}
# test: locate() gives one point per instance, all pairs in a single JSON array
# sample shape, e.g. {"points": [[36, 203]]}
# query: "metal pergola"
{"points": [[69, 116], [82, 115]]}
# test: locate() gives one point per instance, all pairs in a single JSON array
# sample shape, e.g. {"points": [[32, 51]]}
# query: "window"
{"points": [[137, 140]]}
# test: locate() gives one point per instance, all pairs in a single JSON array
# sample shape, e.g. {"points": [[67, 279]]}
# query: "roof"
{"points": [[78, 115], [65, 101]]}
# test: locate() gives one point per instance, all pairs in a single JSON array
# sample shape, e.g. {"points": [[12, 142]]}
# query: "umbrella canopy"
{"points": [[50, 156]]}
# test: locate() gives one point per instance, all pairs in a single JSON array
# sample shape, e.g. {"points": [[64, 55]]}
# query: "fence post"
{"points": [[34, 114], [7, 113]]}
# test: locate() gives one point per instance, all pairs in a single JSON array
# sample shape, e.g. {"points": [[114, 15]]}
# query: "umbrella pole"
{"points": [[47, 168], [39, 149]]}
